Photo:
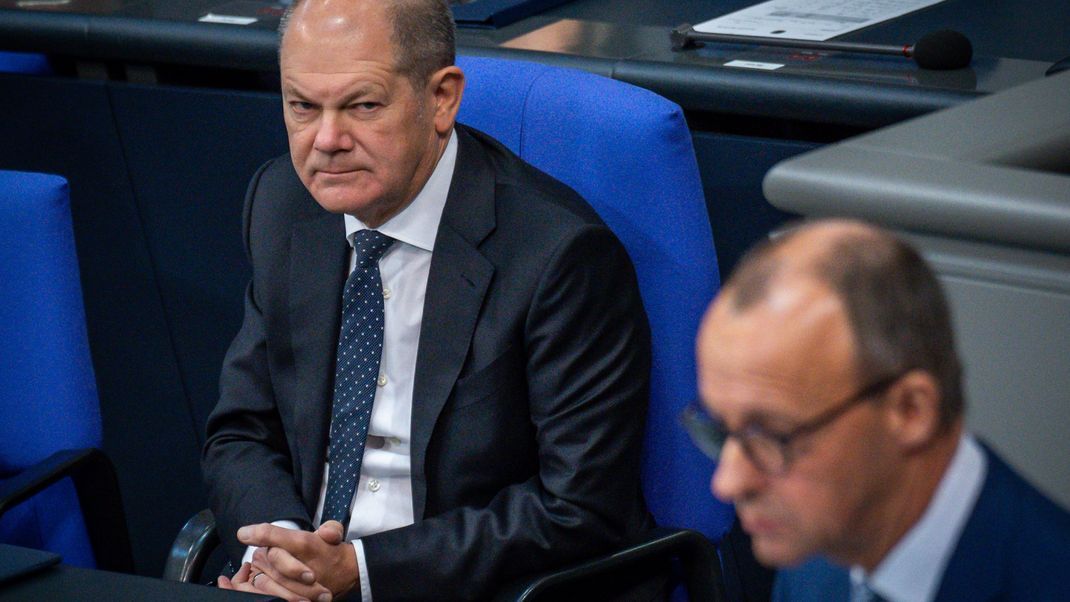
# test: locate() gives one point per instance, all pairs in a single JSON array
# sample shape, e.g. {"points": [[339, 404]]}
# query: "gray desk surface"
{"points": [[625, 39], [996, 170]]}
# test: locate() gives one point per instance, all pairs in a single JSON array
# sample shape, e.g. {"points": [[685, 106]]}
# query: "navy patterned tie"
{"points": [[360, 347]]}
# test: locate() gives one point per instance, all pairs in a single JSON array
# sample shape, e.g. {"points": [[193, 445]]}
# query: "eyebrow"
{"points": [[770, 422], [361, 92], [290, 89]]}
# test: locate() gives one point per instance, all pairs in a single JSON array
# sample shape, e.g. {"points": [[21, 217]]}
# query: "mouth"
{"points": [[757, 525]]}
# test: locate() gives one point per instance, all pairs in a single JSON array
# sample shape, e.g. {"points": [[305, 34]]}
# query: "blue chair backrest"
{"points": [[628, 151], [48, 396], [24, 62]]}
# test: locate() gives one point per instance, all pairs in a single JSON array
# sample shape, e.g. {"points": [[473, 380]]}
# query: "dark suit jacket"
{"points": [[530, 391], [1015, 546]]}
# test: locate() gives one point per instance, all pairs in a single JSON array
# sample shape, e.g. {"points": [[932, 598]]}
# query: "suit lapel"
{"points": [[456, 284], [318, 266]]}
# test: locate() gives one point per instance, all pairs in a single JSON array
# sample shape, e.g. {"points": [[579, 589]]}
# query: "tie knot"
{"points": [[370, 245]]}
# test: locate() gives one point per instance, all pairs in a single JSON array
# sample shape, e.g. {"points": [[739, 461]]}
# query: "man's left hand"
{"points": [[298, 559]]}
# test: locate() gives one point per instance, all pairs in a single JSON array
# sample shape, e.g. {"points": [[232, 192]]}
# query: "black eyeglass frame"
{"points": [[710, 434]]}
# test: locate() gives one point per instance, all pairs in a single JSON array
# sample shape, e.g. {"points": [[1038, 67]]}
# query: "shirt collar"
{"points": [[912, 570], [417, 224]]}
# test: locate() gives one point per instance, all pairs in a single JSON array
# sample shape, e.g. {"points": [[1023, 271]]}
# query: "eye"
{"points": [[301, 107], [365, 106]]}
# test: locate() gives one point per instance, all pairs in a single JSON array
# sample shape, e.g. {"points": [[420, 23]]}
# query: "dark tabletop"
{"points": [[1014, 42]]}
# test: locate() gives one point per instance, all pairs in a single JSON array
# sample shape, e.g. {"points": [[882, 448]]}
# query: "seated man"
{"points": [[833, 398], [441, 379]]}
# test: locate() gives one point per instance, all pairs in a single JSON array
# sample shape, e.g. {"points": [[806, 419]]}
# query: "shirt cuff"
{"points": [[286, 524], [362, 566]]}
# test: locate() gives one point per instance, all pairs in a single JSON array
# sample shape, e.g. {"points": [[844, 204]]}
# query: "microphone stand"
{"points": [[684, 37]]}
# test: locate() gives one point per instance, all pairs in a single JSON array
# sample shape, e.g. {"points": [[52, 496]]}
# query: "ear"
{"points": [[913, 405], [447, 87]]}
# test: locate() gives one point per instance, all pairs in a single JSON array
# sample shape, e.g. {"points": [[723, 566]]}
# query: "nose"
{"points": [[332, 135], [736, 477]]}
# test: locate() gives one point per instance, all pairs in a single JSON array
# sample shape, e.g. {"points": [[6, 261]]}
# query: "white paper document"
{"points": [[809, 19], [760, 65], [228, 19]]}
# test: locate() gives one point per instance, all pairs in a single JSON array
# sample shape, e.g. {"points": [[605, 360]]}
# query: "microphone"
{"points": [[943, 49]]}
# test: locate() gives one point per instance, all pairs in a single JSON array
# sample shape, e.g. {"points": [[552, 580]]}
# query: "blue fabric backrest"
{"points": [[24, 62], [48, 397], [628, 151]]}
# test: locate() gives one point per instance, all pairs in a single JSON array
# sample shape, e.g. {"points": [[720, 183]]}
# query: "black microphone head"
{"points": [[944, 49]]}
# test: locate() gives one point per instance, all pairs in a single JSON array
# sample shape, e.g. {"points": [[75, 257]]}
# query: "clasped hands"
{"points": [[297, 565]]}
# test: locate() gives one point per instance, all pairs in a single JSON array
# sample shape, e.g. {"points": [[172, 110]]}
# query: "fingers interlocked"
{"points": [[289, 574]]}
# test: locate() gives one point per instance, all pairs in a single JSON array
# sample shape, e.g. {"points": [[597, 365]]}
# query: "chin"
{"points": [[340, 200], [340, 205], [777, 553]]}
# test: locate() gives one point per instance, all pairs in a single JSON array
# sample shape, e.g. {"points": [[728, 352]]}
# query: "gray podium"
{"points": [[984, 190]]}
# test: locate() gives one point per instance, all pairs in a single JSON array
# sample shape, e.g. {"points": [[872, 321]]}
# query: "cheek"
{"points": [[809, 515], [827, 502], [387, 150], [395, 157], [380, 147], [809, 506], [300, 141]]}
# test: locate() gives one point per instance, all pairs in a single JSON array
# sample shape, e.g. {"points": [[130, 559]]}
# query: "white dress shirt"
{"points": [[383, 498], [911, 572]]}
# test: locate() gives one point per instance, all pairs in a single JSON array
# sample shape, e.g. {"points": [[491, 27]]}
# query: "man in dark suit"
{"points": [[482, 306], [833, 400]]}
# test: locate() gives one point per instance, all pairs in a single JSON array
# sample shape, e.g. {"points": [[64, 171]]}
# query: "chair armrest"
{"points": [[698, 558], [697, 555], [194, 544], [98, 496]]}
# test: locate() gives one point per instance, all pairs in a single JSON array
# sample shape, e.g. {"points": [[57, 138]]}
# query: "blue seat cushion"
{"points": [[24, 62]]}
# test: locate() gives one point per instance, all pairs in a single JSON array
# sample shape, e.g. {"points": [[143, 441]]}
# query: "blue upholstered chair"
{"points": [[24, 62], [50, 425], [629, 153]]}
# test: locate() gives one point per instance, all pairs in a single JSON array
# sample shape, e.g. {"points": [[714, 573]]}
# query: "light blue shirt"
{"points": [[911, 572]]}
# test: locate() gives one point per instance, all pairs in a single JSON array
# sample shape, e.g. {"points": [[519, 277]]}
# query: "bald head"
{"points": [[889, 298], [804, 252]]}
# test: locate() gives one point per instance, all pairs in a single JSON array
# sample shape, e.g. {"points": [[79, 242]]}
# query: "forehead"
{"points": [[778, 356], [337, 37]]}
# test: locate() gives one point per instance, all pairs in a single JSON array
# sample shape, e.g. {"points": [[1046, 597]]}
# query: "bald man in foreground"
{"points": [[833, 401]]}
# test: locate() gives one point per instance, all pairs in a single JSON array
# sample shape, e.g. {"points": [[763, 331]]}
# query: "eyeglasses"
{"points": [[770, 452]]}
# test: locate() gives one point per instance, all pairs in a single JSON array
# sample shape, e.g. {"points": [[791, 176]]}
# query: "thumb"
{"points": [[331, 532]]}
